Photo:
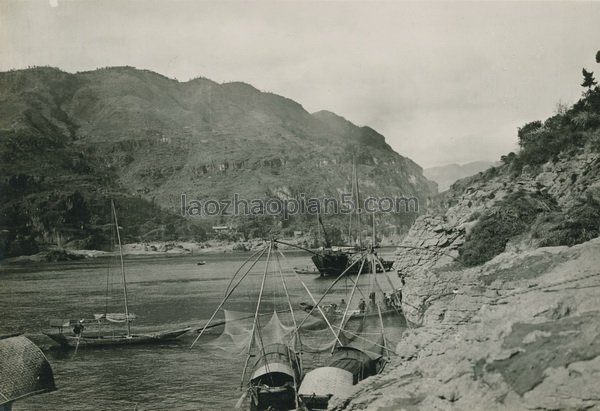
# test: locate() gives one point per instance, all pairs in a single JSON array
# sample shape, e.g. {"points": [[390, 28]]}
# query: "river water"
{"points": [[166, 292]]}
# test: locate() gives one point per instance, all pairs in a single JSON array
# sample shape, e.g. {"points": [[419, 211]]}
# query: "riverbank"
{"points": [[519, 332], [155, 248]]}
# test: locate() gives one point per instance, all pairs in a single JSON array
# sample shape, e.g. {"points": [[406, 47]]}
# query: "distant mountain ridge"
{"points": [[139, 135], [446, 175]]}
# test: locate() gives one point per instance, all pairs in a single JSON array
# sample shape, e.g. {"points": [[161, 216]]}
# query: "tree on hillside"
{"points": [[588, 79], [527, 133]]}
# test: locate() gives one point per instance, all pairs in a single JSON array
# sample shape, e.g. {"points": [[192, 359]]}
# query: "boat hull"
{"points": [[273, 398], [347, 367], [272, 385], [71, 341], [332, 313], [335, 263]]}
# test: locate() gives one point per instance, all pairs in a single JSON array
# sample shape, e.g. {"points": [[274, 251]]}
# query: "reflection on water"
{"points": [[165, 293]]}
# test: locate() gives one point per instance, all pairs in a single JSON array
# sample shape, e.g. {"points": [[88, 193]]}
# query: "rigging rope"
{"points": [[227, 297]]}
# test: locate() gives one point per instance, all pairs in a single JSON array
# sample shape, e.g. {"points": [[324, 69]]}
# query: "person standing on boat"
{"points": [[78, 328], [362, 305]]}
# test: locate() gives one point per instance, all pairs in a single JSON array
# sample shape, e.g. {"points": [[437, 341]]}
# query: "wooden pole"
{"points": [[112, 203], [287, 295], [320, 311], [348, 303], [240, 268], [262, 287], [383, 330], [328, 289], [212, 317]]}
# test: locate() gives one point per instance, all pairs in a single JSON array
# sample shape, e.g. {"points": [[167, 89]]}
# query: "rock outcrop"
{"points": [[436, 239], [520, 332]]}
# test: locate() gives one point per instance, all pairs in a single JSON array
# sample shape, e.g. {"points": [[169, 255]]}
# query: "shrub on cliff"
{"points": [[579, 224], [510, 217]]}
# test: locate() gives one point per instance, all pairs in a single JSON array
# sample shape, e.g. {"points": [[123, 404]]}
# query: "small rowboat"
{"points": [[306, 270]]}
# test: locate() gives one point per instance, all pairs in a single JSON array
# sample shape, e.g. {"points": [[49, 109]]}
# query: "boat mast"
{"points": [[357, 207], [112, 204]]}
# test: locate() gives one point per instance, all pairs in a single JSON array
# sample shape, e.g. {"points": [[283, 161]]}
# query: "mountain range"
{"points": [[445, 175], [70, 142]]}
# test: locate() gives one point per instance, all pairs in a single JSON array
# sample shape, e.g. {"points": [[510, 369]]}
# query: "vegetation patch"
{"points": [[579, 224], [510, 217]]}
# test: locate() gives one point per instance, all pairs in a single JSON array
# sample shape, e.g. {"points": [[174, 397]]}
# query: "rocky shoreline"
{"points": [[519, 332], [155, 248]]}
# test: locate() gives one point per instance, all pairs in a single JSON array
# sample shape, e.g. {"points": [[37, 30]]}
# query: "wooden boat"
{"points": [[100, 340], [201, 263], [360, 353], [347, 367], [306, 270], [272, 370], [79, 337], [334, 261], [338, 260], [273, 381], [332, 311]]}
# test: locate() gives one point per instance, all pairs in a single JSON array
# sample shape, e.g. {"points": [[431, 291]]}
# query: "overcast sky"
{"points": [[444, 82]]}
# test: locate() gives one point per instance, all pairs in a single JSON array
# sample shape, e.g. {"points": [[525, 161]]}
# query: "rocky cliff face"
{"points": [[502, 283], [520, 332], [436, 239]]}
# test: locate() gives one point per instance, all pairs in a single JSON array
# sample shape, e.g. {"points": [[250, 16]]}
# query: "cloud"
{"points": [[444, 82]]}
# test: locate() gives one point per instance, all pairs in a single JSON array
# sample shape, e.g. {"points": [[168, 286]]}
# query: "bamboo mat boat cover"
{"points": [[24, 370]]}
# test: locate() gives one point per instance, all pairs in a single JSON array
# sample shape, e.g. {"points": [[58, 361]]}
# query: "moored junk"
{"points": [[274, 380], [360, 353], [24, 371], [338, 260], [73, 334], [347, 367]]}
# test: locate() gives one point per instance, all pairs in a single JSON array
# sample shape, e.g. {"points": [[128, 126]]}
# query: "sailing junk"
{"points": [[337, 260], [81, 338], [334, 261]]}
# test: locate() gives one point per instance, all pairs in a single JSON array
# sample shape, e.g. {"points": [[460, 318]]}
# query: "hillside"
{"points": [[446, 175], [69, 142], [547, 194], [501, 282]]}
